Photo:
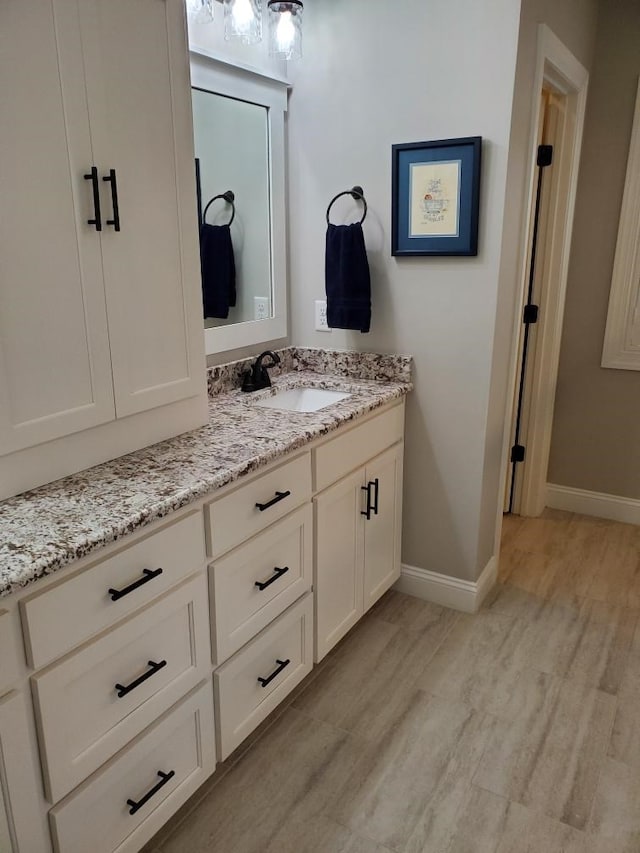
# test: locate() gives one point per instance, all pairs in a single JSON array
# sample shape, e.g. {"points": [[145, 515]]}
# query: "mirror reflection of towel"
{"points": [[218, 270], [348, 284]]}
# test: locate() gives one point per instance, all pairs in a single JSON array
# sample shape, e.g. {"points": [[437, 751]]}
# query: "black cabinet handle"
{"points": [[111, 178], [164, 778], [376, 495], [147, 575], [282, 664], [97, 220], [367, 512], [153, 668], [277, 573], [280, 496]]}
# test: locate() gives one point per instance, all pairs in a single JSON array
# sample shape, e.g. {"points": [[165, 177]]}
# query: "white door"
{"points": [[339, 560], [382, 531], [55, 372], [24, 821], [138, 85]]}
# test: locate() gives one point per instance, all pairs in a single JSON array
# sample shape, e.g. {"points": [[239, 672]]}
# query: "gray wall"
{"points": [[596, 432], [373, 74]]}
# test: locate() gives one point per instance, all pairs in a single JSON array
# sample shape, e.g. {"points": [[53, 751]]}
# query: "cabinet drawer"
{"points": [[237, 516], [354, 448], [280, 560], [91, 703], [97, 816], [9, 660], [68, 613], [242, 700]]}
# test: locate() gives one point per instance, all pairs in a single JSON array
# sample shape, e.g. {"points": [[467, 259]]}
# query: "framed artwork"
{"points": [[436, 196]]}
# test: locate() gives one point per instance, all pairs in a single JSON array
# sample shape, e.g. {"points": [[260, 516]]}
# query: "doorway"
{"points": [[558, 107]]}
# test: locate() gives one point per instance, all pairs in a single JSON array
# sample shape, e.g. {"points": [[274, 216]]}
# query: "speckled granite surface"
{"points": [[47, 528]]}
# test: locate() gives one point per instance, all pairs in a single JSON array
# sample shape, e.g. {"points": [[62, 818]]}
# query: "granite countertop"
{"points": [[47, 528]]}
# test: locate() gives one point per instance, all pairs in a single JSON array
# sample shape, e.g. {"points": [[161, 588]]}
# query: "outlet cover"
{"points": [[260, 307], [321, 316]]}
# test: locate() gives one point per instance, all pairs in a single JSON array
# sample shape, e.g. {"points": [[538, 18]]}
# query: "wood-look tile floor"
{"points": [[515, 730]]}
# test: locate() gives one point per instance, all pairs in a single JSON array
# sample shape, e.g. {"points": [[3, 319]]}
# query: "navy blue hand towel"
{"points": [[348, 284], [218, 270]]}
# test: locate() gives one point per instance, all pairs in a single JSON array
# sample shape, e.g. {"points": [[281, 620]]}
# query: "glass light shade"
{"points": [[243, 21], [285, 29], [200, 11]]}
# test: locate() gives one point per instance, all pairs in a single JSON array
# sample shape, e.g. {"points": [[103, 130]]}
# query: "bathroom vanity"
{"points": [[155, 609]]}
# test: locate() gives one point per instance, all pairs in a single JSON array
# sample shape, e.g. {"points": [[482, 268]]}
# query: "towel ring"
{"points": [[229, 197], [354, 192]]}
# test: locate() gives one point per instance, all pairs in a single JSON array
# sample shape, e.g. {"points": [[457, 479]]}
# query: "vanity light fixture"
{"points": [[243, 21], [285, 28], [200, 11]]}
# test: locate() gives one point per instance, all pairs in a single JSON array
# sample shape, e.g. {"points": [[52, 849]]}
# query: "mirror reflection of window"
{"points": [[231, 144]]}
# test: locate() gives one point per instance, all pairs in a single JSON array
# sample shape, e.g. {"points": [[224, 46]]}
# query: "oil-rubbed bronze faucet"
{"points": [[257, 377]]}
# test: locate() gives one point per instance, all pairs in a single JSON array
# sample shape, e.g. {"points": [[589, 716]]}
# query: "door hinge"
{"points": [[545, 155], [517, 453], [530, 314]]}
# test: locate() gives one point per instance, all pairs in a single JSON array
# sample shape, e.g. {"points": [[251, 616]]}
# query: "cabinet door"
{"points": [[339, 560], [23, 827], [137, 73], [55, 371], [382, 531]]}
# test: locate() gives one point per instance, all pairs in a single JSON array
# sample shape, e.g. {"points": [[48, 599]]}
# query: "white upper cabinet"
{"points": [[98, 320], [137, 73], [55, 372]]}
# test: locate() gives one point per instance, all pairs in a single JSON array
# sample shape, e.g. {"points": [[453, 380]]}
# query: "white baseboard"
{"points": [[594, 503], [447, 591]]}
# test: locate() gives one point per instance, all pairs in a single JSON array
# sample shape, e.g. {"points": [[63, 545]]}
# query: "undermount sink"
{"points": [[302, 399]]}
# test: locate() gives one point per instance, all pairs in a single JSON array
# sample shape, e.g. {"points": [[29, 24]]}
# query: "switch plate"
{"points": [[321, 316], [260, 307]]}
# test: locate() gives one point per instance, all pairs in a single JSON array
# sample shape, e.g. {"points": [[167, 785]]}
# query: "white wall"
{"points": [[373, 74]]}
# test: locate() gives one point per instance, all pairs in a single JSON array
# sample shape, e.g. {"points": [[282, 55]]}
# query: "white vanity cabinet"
{"points": [[260, 535], [111, 693], [23, 827], [100, 305], [143, 664], [358, 526]]}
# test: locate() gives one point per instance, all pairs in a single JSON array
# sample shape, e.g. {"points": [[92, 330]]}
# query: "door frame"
{"points": [[556, 69]]}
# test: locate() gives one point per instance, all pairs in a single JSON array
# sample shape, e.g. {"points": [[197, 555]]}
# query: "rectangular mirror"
{"points": [[238, 122], [232, 152]]}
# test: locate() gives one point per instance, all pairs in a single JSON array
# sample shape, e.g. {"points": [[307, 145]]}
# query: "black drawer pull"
{"points": [[376, 495], [281, 665], [111, 178], [153, 668], [164, 778], [147, 575], [277, 574], [93, 177], [280, 496], [367, 512]]}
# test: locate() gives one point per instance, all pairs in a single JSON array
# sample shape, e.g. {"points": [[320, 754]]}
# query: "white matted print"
{"points": [[435, 199]]}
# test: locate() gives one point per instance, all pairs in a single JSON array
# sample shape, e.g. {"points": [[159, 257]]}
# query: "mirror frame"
{"points": [[222, 77]]}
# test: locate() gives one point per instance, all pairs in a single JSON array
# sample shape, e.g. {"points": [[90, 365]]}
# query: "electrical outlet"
{"points": [[321, 316], [260, 307]]}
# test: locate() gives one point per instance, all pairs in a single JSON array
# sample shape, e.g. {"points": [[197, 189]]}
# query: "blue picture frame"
{"points": [[436, 197]]}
